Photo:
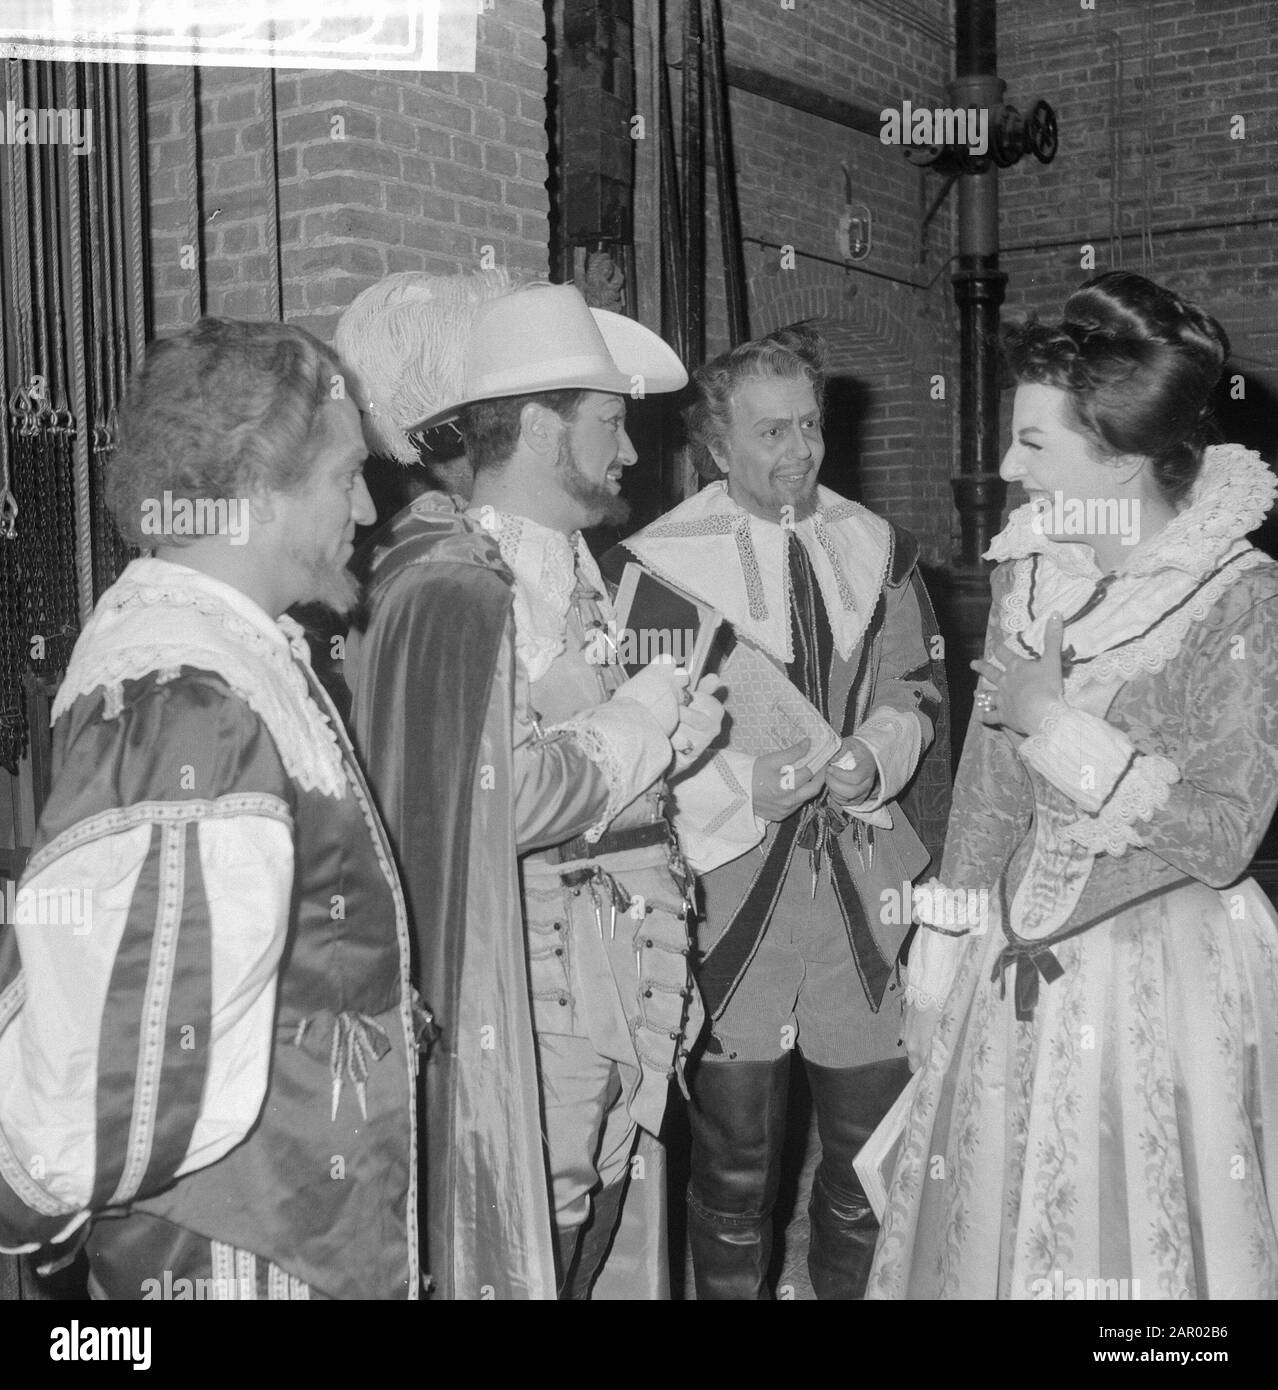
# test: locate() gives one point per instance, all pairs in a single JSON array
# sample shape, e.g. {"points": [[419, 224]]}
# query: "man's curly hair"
{"points": [[795, 352], [222, 410]]}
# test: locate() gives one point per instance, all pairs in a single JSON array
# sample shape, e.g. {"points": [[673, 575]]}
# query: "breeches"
{"points": [[802, 989], [588, 1130]]}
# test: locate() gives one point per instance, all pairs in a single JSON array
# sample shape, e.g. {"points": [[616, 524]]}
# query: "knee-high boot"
{"points": [[737, 1118], [850, 1102]]}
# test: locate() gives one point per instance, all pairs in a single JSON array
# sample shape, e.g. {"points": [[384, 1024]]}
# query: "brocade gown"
{"points": [[1096, 1118]]}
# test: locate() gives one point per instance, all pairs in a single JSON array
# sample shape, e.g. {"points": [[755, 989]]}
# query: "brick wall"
{"points": [[1148, 97], [889, 444], [377, 172]]}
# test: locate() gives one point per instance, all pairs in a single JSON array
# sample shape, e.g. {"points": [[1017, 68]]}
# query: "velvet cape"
{"points": [[432, 675]]}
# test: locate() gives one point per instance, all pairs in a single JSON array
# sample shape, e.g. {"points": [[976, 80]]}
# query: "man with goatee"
{"points": [[522, 776]]}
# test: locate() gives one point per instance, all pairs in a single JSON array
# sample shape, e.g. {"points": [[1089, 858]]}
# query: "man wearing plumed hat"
{"points": [[523, 780]]}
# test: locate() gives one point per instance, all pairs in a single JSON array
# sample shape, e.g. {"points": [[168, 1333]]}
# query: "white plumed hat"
{"points": [[406, 338], [546, 338]]}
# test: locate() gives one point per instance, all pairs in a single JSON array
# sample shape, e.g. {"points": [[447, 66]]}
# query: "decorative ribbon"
{"points": [[1030, 964], [357, 1041], [1035, 958]]}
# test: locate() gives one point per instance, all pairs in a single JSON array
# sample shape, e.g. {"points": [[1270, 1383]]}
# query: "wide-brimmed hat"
{"points": [[547, 338], [406, 339]]}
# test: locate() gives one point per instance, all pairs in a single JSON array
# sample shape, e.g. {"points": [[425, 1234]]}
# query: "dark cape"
{"points": [[431, 670]]}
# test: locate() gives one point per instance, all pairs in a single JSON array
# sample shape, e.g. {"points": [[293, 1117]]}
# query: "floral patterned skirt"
{"points": [[1123, 1143]]}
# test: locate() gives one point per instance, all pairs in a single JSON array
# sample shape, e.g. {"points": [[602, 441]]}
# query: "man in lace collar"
{"points": [[206, 996], [551, 764], [798, 943]]}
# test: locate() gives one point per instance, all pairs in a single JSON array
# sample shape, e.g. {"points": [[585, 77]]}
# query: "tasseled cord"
{"points": [[355, 1037]]}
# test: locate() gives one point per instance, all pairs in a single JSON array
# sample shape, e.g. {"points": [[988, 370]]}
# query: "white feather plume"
{"points": [[405, 337]]}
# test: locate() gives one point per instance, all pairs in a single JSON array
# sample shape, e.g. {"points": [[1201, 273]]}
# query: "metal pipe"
{"points": [[978, 290], [798, 96], [1175, 229], [849, 265]]}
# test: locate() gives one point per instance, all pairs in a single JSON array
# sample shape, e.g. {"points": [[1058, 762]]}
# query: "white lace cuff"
{"points": [[1138, 796], [895, 737], [931, 969], [627, 745], [1080, 754]]}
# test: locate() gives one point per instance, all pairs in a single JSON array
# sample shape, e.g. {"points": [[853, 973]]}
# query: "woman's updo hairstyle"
{"points": [[1139, 364]]}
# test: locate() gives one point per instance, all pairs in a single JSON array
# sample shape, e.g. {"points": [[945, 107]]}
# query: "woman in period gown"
{"points": [[1097, 1110]]}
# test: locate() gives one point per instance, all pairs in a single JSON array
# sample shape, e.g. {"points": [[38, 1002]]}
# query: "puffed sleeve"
{"points": [[151, 920]]}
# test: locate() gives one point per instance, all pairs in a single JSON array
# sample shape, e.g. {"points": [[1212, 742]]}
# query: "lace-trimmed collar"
{"points": [[736, 561], [1136, 619], [1230, 497], [546, 564], [160, 616]]}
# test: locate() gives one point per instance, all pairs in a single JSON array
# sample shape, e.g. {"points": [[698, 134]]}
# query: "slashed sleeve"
{"points": [[151, 922]]}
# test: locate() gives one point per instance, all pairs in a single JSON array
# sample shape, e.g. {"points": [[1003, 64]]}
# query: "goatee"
{"points": [[606, 507]]}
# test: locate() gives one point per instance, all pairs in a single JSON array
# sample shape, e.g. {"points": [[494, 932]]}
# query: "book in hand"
{"points": [[768, 712], [655, 618], [875, 1164]]}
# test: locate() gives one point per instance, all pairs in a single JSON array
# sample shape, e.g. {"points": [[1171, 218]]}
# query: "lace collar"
{"points": [[736, 561], [160, 616], [1136, 618], [546, 564], [1230, 497]]}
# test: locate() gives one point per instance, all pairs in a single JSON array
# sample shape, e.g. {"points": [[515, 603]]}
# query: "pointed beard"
{"points": [[606, 508]]}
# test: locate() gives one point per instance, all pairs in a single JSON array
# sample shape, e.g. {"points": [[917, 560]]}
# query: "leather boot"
{"points": [[583, 1264], [849, 1102], [737, 1118]]}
